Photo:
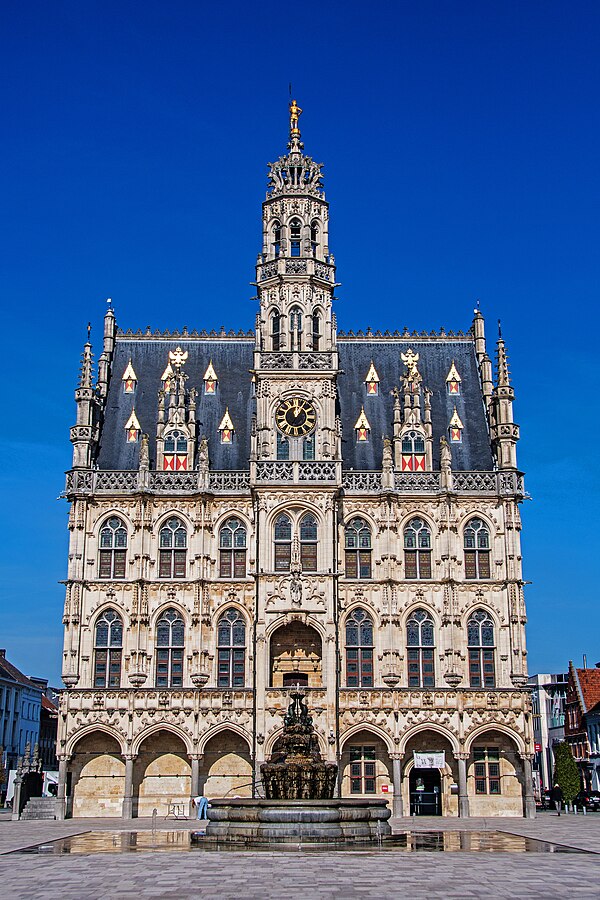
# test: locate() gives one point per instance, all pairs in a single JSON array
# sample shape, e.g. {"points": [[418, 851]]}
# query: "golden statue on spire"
{"points": [[295, 113]]}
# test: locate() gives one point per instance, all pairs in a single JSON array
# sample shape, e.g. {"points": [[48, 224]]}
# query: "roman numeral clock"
{"points": [[296, 417]]}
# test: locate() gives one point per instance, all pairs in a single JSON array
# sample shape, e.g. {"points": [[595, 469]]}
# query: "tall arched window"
{"points": [[308, 543], [413, 452], [231, 647], [170, 640], [358, 549], [359, 649], [481, 644], [108, 649], [295, 319], [314, 238], [232, 549], [420, 649], [276, 239], [175, 451], [417, 549], [275, 330], [172, 549], [295, 236], [316, 331], [113, 549], [283, 543], [477, 549]]}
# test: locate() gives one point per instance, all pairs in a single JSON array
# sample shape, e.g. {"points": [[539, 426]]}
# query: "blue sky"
{"points": [[460, 142]]}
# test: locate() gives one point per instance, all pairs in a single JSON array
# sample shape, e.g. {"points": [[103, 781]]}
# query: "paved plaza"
{"points": [[301, 873]]}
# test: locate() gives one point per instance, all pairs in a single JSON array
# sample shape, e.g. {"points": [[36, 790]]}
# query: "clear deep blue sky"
{"points": [[460, 143]]}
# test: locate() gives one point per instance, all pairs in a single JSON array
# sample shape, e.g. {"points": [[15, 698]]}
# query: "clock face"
{"points": [[296, 417]]}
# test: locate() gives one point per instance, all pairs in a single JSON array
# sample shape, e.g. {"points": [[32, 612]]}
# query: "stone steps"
{"points": [[40, 808]]}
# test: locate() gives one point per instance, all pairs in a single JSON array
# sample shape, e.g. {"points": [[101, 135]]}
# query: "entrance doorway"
{"points": [[425, 792]]}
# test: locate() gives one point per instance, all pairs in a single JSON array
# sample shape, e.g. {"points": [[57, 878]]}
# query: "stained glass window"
{"points": [[232, 549], [113, 549], [108, 649], [358, 549], [231, 649]]}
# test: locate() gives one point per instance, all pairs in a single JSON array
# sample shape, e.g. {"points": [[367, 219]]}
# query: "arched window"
{"points": [[358, 549], [113, 548], [295, 235], [275, 333], [314, 238], [276, 239], [308, 447], [108, 649], [420, 649], [283, 446], [477, 549], [413, 452], [170, 640], [308, 543], [295, 319], [417, 549], [232, 549], [481, 644], [231, 646], [359, 649], [172, 549], [175, 450], [316, 331], [283, 543]]}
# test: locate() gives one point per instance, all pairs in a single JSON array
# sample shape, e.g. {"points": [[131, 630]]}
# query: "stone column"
{"points": [[463, 796], [60, 807], [196, 759], [528, 797], [398, 803], [127, 812]]}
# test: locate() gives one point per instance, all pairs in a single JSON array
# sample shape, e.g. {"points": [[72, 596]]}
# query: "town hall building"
{"points": [[295, 506]]}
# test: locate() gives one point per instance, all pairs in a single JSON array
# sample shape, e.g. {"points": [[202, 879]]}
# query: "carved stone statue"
{"points": [[445, 455], [203, 454], [144, 454]]}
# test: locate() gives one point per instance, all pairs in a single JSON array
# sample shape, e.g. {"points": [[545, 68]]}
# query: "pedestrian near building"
{"points": [[557, 797]]}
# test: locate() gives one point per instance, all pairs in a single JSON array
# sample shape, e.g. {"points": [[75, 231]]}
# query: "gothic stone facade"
{"points": [[294, 506]]}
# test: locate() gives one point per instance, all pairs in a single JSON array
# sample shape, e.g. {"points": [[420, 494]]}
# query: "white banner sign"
{"points": [[433, 760]]}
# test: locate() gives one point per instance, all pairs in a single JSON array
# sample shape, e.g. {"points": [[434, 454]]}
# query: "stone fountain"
{"points": [[299, 806]]}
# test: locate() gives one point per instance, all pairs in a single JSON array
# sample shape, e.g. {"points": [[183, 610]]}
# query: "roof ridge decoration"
{"points": [[178, 357], [410, 360]]}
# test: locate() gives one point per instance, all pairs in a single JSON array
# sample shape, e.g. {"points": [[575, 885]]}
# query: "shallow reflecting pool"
{"points": [[406, 841]]}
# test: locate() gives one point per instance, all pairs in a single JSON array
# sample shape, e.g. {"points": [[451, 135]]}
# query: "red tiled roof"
{"points": [[49, 705], [589, 681]]}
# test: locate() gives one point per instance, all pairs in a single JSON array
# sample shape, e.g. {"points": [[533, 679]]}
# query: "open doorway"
{"points": [[425, 792]]}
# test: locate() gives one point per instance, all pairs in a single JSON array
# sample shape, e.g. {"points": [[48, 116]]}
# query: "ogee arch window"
{"points": [[113, 548], [108, 650], [231, 648], [170, 642], [359, 649]]}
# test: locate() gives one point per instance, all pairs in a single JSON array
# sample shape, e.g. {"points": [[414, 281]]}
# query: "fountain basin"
{"points": [[296, 821]]}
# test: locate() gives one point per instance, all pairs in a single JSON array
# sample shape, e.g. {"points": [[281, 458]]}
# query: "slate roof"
{"points": [[232, 359]]}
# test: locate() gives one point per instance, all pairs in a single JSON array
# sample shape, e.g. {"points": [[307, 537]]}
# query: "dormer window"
{"points": [[362, 427], [175, 451], [210, 380], [413, 452], [453, 380], [132, 428], [276, 239], [129, 379], [455, 428], [226, 428], [372, 381], [314, 238], [295, 235], [166, 378]]}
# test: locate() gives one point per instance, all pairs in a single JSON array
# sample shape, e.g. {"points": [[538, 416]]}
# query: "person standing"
{"points": [[557, 797]]}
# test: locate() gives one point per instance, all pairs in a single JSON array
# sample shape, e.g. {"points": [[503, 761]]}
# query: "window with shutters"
{"points": [[359, 649], [231, 650], [417, 549], [113, 549], [283, 543], [308, 543], [487, 770], [420, 648], [170, 642], [172, 549], [232, 549], [358, 549], [477, 550], [482, 646], [108, 650], [363, 776], [413, 452]]}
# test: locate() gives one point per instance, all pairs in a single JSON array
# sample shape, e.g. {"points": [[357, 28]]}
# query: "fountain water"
{"points": [[299, 806]]}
